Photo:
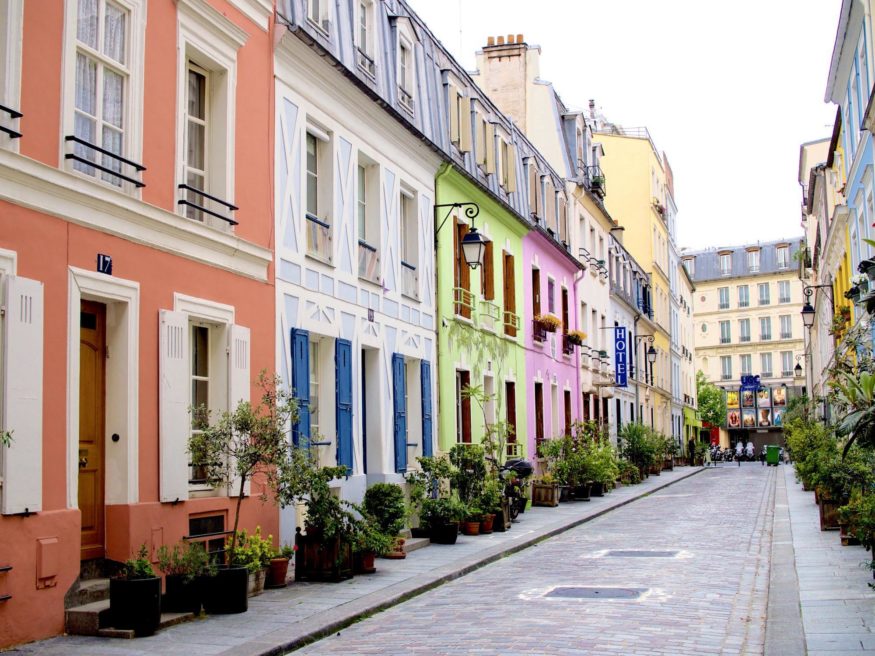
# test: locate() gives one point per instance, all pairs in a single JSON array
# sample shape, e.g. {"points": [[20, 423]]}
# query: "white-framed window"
{"points": [[368, 218], [725, 261], [318, 192], [315, 372], [765, 328], [408, 224], [743, 296], [786, 363], [103, 89], [782, 255], [783, 291], [364, 36], [766, 365], [319, 15], [763, 289], [690, 264], [207, 73], [11, 39], [753, 260], [745, 361], [744, 330], [406, 73], [723, 298], [786, 326], [199, 339], [725, 367], [725, 334]]}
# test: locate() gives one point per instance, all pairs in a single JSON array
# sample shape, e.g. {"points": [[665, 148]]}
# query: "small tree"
{"points": [[712, 402], [247, 442]]}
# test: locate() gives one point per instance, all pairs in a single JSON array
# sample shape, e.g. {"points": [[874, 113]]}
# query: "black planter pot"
{"points": [[135, 604], [445, 533], [420, 532], [581, 492], [597, 490], [564, 493], [183, 596], [226, 592]]}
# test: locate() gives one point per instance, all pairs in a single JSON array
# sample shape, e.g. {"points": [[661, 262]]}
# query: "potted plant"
{"points": [[247, 442], [576, 337], [278, 569], [490, 501], [443, 514], [135, 596], [548, 322], [370, 541], [430, 480], [471, 522], [252, 552], [185, 569], [545, 491], [384, 502]]}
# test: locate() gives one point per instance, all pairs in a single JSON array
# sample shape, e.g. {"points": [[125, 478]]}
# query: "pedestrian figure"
{"points": [[763, 456], [708, 458], [691, 445]]}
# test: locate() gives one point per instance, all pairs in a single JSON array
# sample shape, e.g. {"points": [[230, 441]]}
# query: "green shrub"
{"points": [[385, 503]]}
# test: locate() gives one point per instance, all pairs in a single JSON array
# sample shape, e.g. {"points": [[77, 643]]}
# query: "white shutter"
{"points": [[174, 398], [465, 126], [454, 113], [238, 381], [511, 168], [490, 148], [22, 412]]}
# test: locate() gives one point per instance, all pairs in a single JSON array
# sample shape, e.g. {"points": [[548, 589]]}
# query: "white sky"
{"points": [[729, 90]]}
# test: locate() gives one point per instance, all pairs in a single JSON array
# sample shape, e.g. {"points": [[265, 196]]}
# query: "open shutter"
{"points": [[343, 372], [22, 462], [465, 126], [399, 394], [301, 386], [511, 168], [425, 379], [238, 381], [174, 398], [490, 148], [454, 111]]}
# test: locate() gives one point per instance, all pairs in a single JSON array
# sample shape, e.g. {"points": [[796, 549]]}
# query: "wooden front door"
{"points": [[92, 395]]}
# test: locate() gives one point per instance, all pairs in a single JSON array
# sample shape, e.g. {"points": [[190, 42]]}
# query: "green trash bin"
{"points": [[773, 452]]}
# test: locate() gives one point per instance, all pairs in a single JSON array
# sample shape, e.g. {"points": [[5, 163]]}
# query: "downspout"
{"points": [[578, 364], [635, 364], [442, 171]]}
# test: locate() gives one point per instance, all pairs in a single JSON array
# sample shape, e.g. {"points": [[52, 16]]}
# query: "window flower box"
{"points": [[548, 322]]}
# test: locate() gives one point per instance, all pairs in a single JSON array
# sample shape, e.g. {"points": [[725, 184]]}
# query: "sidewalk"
{"points": [[280, 620], [838, 606]]}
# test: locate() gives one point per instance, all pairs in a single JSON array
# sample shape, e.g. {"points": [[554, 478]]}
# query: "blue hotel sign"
{"points": [[621, 356]]}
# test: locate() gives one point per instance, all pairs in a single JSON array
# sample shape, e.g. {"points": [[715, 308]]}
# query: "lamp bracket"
{"points": [[472, 210]]}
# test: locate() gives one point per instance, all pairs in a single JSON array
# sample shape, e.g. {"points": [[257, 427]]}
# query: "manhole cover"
{"points": [[637, 553], [574, 592]]}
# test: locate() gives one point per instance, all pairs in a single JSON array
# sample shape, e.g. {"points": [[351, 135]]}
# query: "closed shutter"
{"points": [[238, 382], [343, 373], [509, 294], [174, 398], [490, 148], [22, 412], [399, 394], [510, 396], [511, 168], [536, 292], [425, 379], [487, 277], [301, 386], [453, 101], [465, 125]]}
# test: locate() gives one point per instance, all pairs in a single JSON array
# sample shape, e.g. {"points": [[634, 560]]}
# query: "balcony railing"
{"points": [[538, 332], [197, 203], [725, 340], [744, 303], [365, 63], [464, 302], [785, 373], [405, 98], [765, 337], [766, 374], [14, 114], [723, 306], [745, 338], [490, 314], [369, 262], [594, 179], [567, 345], [511, 323], [786, 336], [85, 156], [409, 280], [783, 299], [725, 376], [318, 238]]}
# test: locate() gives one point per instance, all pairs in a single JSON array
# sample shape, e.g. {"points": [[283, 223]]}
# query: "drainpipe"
{"points": [[635, 343], [442, 171]]}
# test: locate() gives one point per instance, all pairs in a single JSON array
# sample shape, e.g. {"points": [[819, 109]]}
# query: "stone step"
{"points": [[89, 590], [412, 544], [93, 619]]}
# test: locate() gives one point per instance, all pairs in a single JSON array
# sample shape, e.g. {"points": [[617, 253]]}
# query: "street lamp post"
{"points": [[809, 314], [651, 358]]}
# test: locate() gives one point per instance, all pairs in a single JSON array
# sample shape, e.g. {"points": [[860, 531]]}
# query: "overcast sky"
{"points": [[729, 90]]}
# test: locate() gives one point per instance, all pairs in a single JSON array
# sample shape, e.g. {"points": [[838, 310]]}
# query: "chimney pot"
{"points": [[501, 40], [519, 38], [490, 41], [510, 38]]}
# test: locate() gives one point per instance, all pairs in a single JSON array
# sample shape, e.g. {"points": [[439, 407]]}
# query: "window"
{"points": [[745, 365], [485, 142], [536, 292], [766, 365], [725, 260], [723, 293], [539, 412], [318, 16], [364, 37], [409, 244], [550, 219], [367, 219], [463, 408], [743, 296], [753, 260], [405, 73], [314, 389], [460, 117], [744, 330], [511, 321], [690, 265], [765, 328], [783, 256], [786, 363], [507, 164], [194, 162], [102, 87], [783, 291], [317, 193], [725, 336], [725, 367], [763, 288], [551, 296], [786, 326]]}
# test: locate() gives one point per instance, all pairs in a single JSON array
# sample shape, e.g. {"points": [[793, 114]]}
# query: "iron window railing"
{"points": [[318, 238], [193, 193], [366, 64], [369, 262], [405, 98], [538, 332], [409, 280], [83, 152], [14, 114]]}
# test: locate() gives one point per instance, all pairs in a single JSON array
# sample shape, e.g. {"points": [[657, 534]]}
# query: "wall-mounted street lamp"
{"points": [[473, 243], [651, 354], [808, 309]]}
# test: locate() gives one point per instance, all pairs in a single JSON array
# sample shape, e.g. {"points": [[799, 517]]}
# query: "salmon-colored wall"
{"points": [[46, 246]]}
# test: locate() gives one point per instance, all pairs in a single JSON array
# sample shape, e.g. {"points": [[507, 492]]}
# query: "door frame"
{"points": [[97, 450]]}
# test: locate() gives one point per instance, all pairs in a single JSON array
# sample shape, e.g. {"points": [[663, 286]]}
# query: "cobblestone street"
{"points": [[707, 598]]}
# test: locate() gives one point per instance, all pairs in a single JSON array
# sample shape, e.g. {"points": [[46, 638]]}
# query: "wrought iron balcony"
{"points": [[405, 99], [85, 157], [490, 314], [567, 344], [14, 114], [369, 262], [539, 334], [464, 302], [511, 323], [318, 238], [365, 63], [197, 203], [595, 179]]}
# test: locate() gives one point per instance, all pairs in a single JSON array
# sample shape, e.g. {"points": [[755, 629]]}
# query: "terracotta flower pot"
{"points": [[471, 527], [486, 523], [277, 573], [397, 552]]}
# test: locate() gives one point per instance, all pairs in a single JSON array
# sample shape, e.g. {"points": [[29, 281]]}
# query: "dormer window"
{"points": [[753, 260], [459, 109], [534, 189], [365, 37], [318, 15], [485, 142], [405, 73]]}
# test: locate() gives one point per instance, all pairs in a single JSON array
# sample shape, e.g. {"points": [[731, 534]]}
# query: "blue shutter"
{"points": [[400, 422], [425, 378], [301, 386], [343, 389]]}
